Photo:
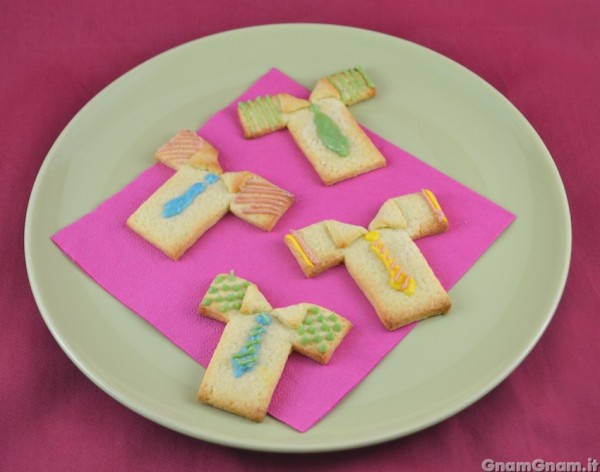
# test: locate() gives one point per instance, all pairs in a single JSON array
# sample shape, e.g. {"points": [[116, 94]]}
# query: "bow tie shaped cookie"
{"points": [[321, 126], [383, 260], [256, 343], [199, 194]]}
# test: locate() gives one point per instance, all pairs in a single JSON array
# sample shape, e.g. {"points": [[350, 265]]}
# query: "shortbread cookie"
{"points": [[256, 200], [256, 343], [322, 127], [383, 261], [199, 194], [181, 210], [419, 214], [187, 148]]}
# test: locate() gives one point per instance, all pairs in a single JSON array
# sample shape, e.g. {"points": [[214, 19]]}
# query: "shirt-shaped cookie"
{"points": [[383, 260], [199, 194], [322, 126], [256, 343]]}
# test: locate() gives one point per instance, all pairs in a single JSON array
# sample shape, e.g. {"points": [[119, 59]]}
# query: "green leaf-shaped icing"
{"points": [[329, 133]]}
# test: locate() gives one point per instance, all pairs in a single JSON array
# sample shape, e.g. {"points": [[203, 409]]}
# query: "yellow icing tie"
{"points": [[435, 205], [292, 240], [399, 280]]}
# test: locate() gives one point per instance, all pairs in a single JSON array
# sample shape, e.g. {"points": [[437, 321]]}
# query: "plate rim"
{"points": [[286, 448]]}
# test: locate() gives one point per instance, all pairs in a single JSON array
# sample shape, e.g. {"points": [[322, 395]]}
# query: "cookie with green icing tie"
{"points": [[329, 133], [322, 126]]}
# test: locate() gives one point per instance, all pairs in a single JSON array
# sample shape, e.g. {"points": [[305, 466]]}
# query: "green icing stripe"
{"points": [[248, 116], [345, 78], [278, 117], [260, 113], [260, 119], [266, 113], [354, 82], [270, 111], [335, 81], [351, 83], [358, 83], [365, 76]]}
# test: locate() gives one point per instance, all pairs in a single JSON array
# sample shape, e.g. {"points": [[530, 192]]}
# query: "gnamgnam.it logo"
{"points": [[539, 465]]}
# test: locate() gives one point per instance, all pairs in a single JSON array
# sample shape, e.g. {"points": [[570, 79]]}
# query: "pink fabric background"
{"points": [[544, 58], [167, 293]]}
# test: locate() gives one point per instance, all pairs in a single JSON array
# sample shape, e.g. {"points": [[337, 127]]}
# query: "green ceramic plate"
{"points": [[429, 105]]}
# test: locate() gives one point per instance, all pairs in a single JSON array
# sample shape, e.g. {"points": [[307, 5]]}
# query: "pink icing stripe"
{"points": [[274, 197], [182, 140], [262, 187], [405, 283], [259, 183], [439, 214], [266, 207], [276, 203], [175, 159], [264, 191], [173, 156], [250, 211], [302, 244]]}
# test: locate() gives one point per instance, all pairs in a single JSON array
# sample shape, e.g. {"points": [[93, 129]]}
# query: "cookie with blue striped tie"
{"points": [[258, 339], [188, 148], [199, 194]]}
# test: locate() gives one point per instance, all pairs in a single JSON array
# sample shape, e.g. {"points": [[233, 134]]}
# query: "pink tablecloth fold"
{"points": [[167, 293]]}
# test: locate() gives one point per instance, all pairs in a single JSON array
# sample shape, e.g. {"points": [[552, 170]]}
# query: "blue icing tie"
{"points": [[247, 357], [211, 178], [178, 204]]}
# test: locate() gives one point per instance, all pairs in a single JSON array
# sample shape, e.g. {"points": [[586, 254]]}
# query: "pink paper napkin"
{"points": [[167, 293]]}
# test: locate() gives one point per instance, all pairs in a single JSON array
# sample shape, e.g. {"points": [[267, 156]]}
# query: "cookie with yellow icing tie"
{"points": [[382, 259]]}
